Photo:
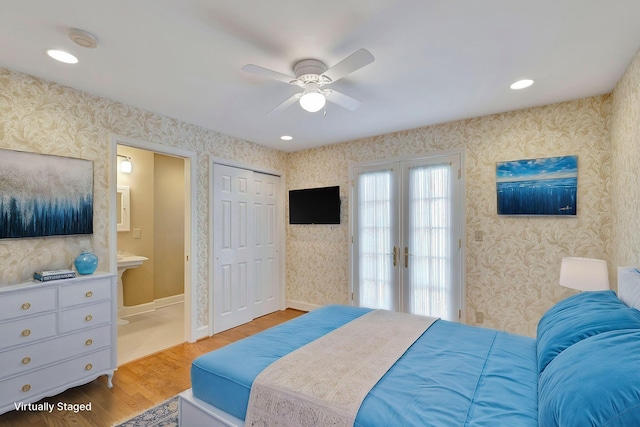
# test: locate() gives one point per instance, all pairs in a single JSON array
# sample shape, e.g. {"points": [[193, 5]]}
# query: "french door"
{"points": [[406, 243]]}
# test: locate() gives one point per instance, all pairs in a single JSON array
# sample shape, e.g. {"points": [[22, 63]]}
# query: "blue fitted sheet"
{"points": [[452, 375]]}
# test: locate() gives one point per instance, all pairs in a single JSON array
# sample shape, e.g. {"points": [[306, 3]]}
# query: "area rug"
{"points": [[163, 415]]}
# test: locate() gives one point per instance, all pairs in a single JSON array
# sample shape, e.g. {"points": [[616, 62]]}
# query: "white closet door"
{"points": [[266, 261], [233, 237]]}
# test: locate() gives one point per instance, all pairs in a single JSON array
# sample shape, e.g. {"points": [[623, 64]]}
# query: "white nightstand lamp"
{"points": [[584, 274]]}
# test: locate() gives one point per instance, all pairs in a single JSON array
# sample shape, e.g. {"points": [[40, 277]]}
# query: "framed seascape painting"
{"points": [[545, 186], [43, 195]]}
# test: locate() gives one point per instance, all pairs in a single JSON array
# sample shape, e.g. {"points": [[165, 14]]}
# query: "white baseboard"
{"points": [[302, 306], [132, 310], [200, 333]]}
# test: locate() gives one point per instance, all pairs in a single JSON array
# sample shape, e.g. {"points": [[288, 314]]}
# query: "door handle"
{"points": [[406, 257], [395, 256]]}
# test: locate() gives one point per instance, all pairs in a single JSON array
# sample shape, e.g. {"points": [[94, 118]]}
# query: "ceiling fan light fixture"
{"points": [[311, 75], [312, 99]]}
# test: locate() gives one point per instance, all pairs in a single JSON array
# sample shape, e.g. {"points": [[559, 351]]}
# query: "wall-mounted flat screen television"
{"points": [[315, 206]]}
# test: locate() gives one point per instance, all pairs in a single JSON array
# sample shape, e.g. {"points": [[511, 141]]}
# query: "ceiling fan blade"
{"points": [[265, 72], [286, 104], [350, 64], [345, 101]]}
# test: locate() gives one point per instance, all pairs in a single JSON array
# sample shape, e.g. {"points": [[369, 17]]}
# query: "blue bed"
{"points": [[456, 374]]}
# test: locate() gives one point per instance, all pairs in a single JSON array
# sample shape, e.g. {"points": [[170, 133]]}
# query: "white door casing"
{"points": [[192, 331]]}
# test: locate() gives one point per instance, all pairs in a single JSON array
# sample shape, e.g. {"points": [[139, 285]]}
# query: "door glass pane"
{"points": [[430, 242], [375, 274]]}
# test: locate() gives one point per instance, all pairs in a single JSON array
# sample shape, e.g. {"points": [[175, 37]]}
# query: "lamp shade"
{"points": [[312, 99], [584, 274]]}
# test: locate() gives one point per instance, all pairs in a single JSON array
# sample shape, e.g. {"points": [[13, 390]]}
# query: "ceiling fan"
{"points": [[312, 75]]}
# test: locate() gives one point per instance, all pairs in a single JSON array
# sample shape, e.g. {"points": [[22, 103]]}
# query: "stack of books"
{"points": [[46, 275]]}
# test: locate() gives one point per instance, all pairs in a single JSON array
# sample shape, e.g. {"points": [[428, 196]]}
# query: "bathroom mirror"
{"points": [[122, 208]]}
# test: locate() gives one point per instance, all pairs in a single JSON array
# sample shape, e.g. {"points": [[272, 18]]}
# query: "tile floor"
{"points": [[148, 333]]}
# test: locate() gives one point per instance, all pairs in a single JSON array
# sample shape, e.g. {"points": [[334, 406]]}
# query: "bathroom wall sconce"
{"points": [[125, 165]]}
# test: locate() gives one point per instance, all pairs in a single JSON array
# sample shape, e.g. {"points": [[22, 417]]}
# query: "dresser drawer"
{"points": [[85, 316], [26, 303], [83, 293], [28, 329], [33, 356], [24, 387]]}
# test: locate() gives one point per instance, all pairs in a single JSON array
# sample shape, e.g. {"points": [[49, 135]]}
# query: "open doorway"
{"points": [[153, 247]]}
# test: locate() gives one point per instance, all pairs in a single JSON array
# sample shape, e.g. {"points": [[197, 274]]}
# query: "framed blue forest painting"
{"points": [[545, 186], [44, 195]]}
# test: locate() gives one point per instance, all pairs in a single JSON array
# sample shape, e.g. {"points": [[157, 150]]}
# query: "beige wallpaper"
{"points": [[625, 142], [512, 276], [44, 117]]}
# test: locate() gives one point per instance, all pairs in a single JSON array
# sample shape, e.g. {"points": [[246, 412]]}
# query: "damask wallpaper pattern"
{"points": [[45, 117], [512, 276], [625, 142]]}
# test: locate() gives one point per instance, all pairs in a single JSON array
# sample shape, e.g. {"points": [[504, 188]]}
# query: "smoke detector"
{"points": [[83, 38]]}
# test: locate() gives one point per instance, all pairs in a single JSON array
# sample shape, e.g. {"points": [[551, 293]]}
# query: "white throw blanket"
{"points": [[324, 382]]}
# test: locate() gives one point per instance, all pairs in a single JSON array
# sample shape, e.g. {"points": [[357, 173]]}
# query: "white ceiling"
{"points": [[436, 60]]}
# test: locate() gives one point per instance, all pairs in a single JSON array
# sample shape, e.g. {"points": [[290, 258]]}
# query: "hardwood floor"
{"points": [[137, 385]]}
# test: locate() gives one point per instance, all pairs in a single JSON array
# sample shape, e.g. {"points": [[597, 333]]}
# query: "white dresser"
{"points": [[56, 335]]}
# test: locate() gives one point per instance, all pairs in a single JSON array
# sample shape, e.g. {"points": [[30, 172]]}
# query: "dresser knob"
{"points": [[26, 387], [89, 294], [26, 332], [88, 367], [26, 306], [26, 360], [88, 318], [88, 342]]}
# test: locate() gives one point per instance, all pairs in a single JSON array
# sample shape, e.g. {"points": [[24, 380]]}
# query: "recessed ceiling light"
{"points": [[62, 56], [521, 84], [286, 137]]}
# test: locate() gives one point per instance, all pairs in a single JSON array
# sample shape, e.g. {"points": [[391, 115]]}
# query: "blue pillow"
{"points": [[578, 317], [595, 382]]}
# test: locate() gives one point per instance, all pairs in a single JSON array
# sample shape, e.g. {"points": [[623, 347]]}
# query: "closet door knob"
{"points": [[88, 342], [89, 294], [26, 360], [26, 306], [26, 332], [88, 367], [88, 318], [26, 387]]}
